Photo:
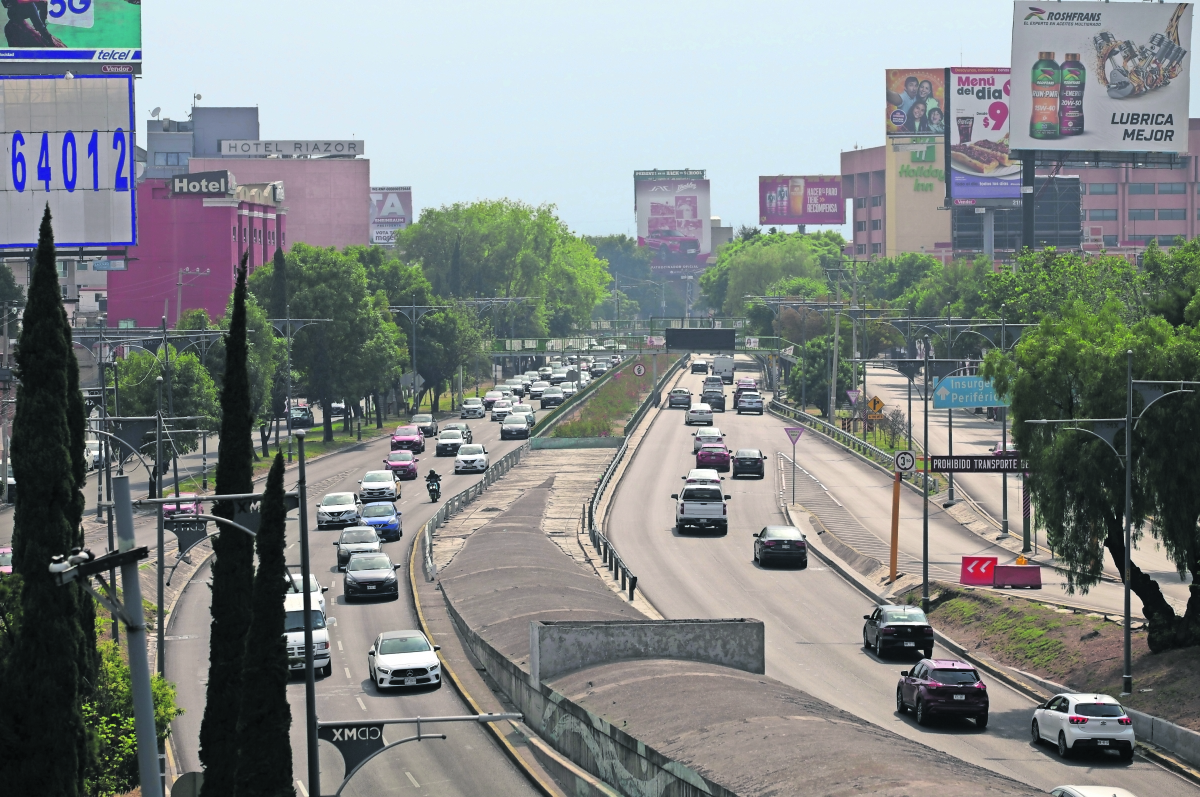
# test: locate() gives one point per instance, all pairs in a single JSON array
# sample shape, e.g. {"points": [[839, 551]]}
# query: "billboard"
{"points": [[914, 188], [1102, 76], [69, 142], [391, 211], [981, 169], [700, 340], [801, 200], [916, 102], [673, 217], [58, 35]]}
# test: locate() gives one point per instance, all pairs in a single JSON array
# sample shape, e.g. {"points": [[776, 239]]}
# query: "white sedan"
{"points": [[404, 658], [471, 458], [1078, 722], [698, 413]]}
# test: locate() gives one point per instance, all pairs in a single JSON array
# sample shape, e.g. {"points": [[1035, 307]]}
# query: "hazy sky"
{"points": [[559, 102]]}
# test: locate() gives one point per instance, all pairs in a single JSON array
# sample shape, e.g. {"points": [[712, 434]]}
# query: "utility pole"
{"points": [[950, 412], [158, 469], [287, 327], [925, 494]]}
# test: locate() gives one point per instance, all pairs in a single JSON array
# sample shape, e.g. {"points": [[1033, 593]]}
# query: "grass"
{"points": [[615, 400]]}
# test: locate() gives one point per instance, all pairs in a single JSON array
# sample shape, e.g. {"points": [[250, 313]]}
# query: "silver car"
{"points": [[338, 509], [378, 485], [472, 408]]}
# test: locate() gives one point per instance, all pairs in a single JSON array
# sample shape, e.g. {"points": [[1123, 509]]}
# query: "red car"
{"points": [[408, 438], [943, 686], [186, 505], [672, 245], [403, 464], [713, 455]]}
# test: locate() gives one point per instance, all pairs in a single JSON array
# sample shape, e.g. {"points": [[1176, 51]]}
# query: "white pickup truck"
{"points": [[702, 507]]}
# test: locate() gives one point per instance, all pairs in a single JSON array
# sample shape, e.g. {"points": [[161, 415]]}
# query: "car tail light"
{"points": [[768, 543], [1075, 720], [724, 509], [681, 509], [888, 631], [1124, 721], [935, 684], [980, 685], [928, 630]]}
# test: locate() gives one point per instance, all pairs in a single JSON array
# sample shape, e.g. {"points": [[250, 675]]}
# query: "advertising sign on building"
{"points": [[981, 169], [801, 200], [914, 189], [673, 217], [391, 211], [916, 102], [51, 38], [1101, 76], [204, 183], [308, 149], [69, 142]]}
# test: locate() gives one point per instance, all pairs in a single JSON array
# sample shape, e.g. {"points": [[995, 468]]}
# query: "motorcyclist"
{"points": [[433, 482]]}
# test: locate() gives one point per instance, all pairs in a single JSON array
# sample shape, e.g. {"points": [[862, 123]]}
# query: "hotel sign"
{"points": [[261, 149]]}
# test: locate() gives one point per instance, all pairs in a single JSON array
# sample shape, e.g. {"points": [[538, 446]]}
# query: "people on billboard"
{"points": [[906, 98], [27, 24], [918, 122], [936, 123], [925, 93]]}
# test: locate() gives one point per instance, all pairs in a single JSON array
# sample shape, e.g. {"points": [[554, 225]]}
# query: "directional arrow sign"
{"points": [[965, 391], [794, 432], [978, 571], [875, 404]]}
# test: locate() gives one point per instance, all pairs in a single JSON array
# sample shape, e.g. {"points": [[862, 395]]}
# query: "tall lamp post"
{"points": [[288, 327], [415, 313]]}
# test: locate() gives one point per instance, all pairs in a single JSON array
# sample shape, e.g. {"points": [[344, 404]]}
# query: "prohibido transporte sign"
{"points": [[978, 464]]}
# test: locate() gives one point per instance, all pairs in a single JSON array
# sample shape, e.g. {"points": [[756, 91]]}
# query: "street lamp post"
{"points": [[925, 492], [287, 326], [415, 313]]}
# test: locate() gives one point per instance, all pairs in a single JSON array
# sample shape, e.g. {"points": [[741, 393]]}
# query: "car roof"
{"points": [[709, 430], [330, 495], [681, 390], [378, 503], [701, 406], [1089, 697], [950, 664], [362, 527], [1098, 791], [472, 400], [451, 432], [385, 472]]}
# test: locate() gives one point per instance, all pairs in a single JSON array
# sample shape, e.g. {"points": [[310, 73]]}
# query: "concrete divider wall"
{"points": [[559, 647], [586, 739], [1181, 741]]}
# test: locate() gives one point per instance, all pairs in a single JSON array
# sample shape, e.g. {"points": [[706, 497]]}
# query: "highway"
{"points": [[467, 763], [813, 617]]}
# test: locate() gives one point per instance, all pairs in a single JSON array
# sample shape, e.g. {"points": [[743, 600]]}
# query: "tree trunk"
{"points": [[378, 410], [1159, 614], [346, 416], [264, 434], [326, 420]]}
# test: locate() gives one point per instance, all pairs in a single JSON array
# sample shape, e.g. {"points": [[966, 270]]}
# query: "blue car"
{"points": [[384, 518]]}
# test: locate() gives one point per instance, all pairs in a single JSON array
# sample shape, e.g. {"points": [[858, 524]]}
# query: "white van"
{"points": [[723, 367], [293, 630]]}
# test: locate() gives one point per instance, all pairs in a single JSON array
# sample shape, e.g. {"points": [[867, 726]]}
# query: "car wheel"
{"points": [[804, 564], [878, 648], [1035, 733], [866, 644], [1063, 750], [981, 721], [900, 707], [327, 670], [922, 713], [756, 559], [679, 528], [1126, 753], [928, 653]]}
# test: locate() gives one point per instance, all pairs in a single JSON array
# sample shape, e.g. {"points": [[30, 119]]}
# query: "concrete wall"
{"points": [[560, 647], [1167, 735]]}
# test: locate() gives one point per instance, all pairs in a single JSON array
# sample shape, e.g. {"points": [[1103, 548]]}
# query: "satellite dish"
{"points": [[156, 112]]}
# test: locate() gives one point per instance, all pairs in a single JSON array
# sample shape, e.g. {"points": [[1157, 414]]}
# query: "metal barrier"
{"points": [[612, 560], [556, 415], [455, 503]]}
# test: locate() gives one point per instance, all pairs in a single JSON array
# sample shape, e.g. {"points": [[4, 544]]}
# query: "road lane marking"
{"points": [[361, 704], [412, 780], [339, 644], [303, 791], [348, 675]]}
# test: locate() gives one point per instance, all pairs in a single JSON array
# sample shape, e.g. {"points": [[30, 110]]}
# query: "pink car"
{"points": [[402, 463], [408, 438], [5, 561], [713, 455], [187, 505]]}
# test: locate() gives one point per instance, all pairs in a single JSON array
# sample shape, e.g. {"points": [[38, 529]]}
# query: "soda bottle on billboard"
{"points": [[781, 198], [1046, 85], [1074, 77]]}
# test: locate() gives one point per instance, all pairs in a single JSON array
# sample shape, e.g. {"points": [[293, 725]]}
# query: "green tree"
{"points": [[814, 359], [750, 266], [449, 339], [617, 302], [42, 733], [233, 571], [194, 391], [264, 766], [10, 291]]}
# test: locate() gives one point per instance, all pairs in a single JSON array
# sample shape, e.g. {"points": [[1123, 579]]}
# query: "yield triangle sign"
{"points": [[853, 396], [794, 432]]}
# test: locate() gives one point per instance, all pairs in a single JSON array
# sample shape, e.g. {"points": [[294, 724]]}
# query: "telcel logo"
{"points": [[1035, 13]]}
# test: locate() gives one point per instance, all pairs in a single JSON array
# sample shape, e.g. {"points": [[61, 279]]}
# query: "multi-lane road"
{"points": [[813, 617], [467, 763]]}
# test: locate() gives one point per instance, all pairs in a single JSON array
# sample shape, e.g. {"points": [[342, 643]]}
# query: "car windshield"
{"points": [[405, 644], [522, 408], [375, 476], [369, 563], [408, 431], [299, 411], [294, 621], [422, 419], [359, 536], [453, 434], [400, 456], [468, 450], [904, 616], [711, 447], [553, 391], [341, 499], [378, 510], [681, 392], [297, 580], [701, 494], [708, 433], [782, 533], [1099, 710], [502, 404], [748, 453], [955, 677]]}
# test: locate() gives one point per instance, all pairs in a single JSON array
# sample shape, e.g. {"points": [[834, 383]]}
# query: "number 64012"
{"points": [[62, 167]]}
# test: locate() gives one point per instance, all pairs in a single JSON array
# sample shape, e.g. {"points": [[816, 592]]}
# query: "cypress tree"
{"points": [[233, 571], [279, 293], [46, 745], [265, 751]]}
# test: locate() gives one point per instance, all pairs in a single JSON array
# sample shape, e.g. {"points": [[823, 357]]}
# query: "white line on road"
{"points": [[361, 704], [303, 791], [348, 675], [412, 779], [339, 644]]}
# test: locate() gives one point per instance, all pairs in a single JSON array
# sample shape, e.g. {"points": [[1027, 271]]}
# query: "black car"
{"points": [[370, 575], [426, 423], [462, 427], [679, 397], [552, 397], [750, 462], [699, 366], [714, 399], [302, 418], [904, 628], [780, 544]]}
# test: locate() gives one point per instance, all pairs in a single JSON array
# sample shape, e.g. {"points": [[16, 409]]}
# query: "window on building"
{"points": [[860, 226], [1102, 188], [99, 296], [1172, 214], [235, 232], [860, 249], [1172, 188], [1141, 188], [1110, 240], [160, 159], [127, 323], [860, 202], [877, 201], [1141, 214], [82, 265], [876, 224], [1103, 215], [1166, 240], [876, 249]]}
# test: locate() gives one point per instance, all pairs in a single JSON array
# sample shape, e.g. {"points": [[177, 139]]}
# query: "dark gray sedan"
{"points": [[680, 397]]}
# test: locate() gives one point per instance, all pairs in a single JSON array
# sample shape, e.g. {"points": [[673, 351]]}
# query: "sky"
{"points": [[559, 102]]}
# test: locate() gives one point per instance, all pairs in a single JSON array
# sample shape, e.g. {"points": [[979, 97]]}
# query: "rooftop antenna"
{"points": [[154, 114]]}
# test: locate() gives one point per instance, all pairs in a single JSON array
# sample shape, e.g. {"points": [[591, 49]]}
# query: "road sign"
{"points": [[980, 464], [906, 461], [639, 370], [875, 404], [965, 391], [875, 416], [978, 571], [853, 396], [794, 432]]}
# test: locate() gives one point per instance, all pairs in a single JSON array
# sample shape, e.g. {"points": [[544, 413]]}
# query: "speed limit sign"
{"points": [[906, 461], [639, 370]]}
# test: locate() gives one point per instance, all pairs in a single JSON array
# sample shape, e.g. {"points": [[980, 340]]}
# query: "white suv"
{"points": [[472, 408], [1084, 722], [293, 632], [698, 413]]}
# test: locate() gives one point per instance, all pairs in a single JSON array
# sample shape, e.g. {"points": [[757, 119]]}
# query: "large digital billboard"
{"points": [[43, 37], [1101, 76], [673, 216], [981, 169], [391, 211], [916, 101], [68, 142], [801, 200]]}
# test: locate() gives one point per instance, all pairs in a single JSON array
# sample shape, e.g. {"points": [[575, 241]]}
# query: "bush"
{"points": [[617, 398]]}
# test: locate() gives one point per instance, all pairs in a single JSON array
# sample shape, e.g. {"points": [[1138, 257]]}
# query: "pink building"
{"points": [[192, 235], [328, 199]]}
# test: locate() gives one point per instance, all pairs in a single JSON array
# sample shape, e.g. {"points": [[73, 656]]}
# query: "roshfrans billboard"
{"points": [[673, 216], [1102, 76], [54, 36], [916, 101], [981, 170], [391, 211], [801, 200]]}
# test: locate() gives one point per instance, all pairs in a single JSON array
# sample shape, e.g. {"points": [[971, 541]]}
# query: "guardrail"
{"points": [[455, 504], [612, 560]]}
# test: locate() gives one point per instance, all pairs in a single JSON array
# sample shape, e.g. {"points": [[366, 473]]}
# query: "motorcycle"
{"points": [[435, 490]]}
